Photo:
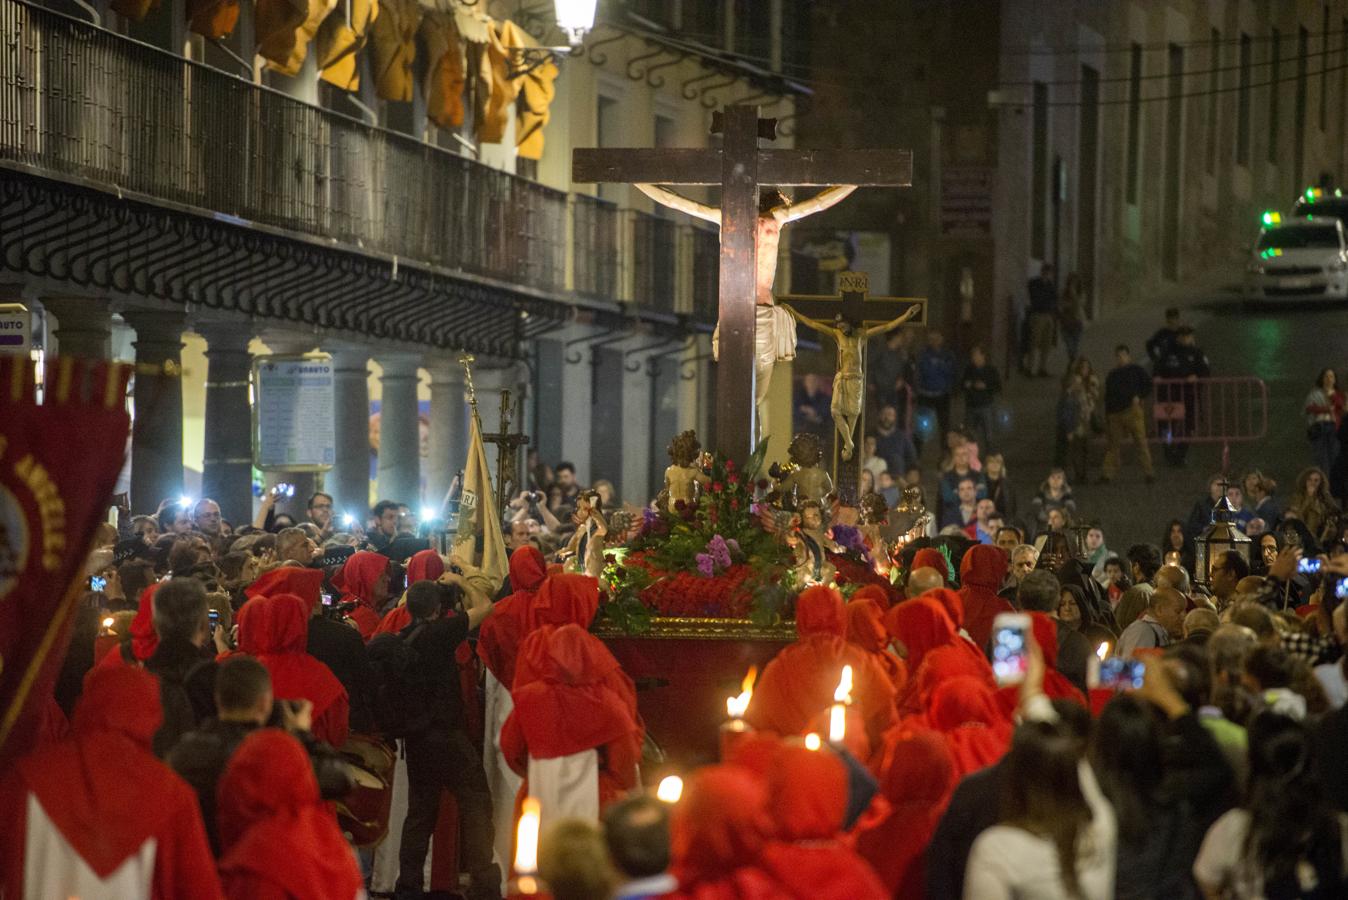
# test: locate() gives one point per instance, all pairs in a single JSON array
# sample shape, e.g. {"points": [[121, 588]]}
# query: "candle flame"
{"points": [[670, 789], [812, 741], [837, 723], [844, 692], [1103, 650], [735, 707], [526, 837], [108, 622]]}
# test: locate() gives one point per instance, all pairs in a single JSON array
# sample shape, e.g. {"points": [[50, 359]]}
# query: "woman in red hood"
{"points": [[363, 580], [866, 629], [425, 565], [800, 681], [574, 734], [279, 841], [940, 665], [982, 572], [916, 780], [717, 835], [275, 630], [807, 800], [965, 710], [96, 814]]}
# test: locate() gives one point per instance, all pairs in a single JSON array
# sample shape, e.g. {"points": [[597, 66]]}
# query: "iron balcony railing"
{"points": [[79, 101]]}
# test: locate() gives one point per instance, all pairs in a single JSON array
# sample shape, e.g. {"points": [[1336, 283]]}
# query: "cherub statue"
{"points": [[808, 481], [848, 383], [584, 553], [683, 477], [874, 513]]}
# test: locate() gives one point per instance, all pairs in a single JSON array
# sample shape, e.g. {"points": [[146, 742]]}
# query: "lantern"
{"points": [[575, 18], [1217, 538]]}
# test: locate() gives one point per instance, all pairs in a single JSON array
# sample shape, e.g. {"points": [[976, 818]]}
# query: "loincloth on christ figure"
{"points": [[846, 395]]}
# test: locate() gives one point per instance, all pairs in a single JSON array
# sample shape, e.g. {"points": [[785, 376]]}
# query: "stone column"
{"points": [[399, 434], [448, 438], [157, 434], [349, 480], [227, 472], [83, 326]]}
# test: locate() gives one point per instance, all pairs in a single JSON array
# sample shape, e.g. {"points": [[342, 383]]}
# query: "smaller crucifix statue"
{"points": [[850, 329]]}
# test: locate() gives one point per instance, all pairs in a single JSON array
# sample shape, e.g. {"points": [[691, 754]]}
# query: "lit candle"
{"points": [[1093, 665], [526, 847], [670, 789], [842, 696], [812, 741], [736, 707]]}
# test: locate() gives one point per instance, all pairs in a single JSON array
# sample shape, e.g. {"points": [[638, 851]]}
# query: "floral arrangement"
{"points": [[708, 558]]}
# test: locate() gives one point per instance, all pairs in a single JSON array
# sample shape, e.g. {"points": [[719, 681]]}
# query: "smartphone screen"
{"points": [[1308, 565], [98, 583], [215, 620], [327, 598], [1010, 633], [1122, 674]]}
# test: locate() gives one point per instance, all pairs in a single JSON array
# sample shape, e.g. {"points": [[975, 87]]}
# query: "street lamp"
{"points": [[575, 18], [1218, 537]]}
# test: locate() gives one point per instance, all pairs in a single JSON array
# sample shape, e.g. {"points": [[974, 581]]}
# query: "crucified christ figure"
{"points": [[847, 383], [773, 339]]}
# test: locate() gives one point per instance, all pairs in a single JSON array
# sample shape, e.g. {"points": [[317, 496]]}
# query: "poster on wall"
{"points": [[293, 407]]}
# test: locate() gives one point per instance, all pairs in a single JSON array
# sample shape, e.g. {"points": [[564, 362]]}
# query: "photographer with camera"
{"points": [[422, 705], [531, 506]]}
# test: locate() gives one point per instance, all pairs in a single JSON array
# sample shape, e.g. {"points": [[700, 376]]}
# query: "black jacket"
{"points": [[973, 809], [1181, 362], [186, 676], [339, 647], [992, 385], [201, 755], [1124, 383]]}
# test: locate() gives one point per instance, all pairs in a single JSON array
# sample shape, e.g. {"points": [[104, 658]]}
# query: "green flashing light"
{"points": [[1310, 195], [1271, 217]]}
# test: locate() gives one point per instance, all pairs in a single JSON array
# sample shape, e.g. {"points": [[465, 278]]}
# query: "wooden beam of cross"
{"points": [[854, 306], [740, 167]]}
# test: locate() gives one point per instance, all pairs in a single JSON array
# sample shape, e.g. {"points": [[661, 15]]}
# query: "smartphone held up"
{"points": [[1010, 647]]}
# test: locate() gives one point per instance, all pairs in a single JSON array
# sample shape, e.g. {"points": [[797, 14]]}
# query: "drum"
{"points": [[363, 814]]}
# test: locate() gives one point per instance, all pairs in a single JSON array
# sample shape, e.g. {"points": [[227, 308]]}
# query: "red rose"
{"points": [[730, 465], [734, 504], [717, 487], [733, 478]]}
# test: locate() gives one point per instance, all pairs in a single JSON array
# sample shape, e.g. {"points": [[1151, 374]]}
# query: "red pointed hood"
{"points": [[819, 610], [984, 566], [1046, 634], [270, 624], [527, 569], [872, 592], [931, 558], [951, 603], [922, 625], [425, 565], [307, 584], [866, 625], [274, 828], [567, 600], [721, 824], [807, 794], [358, 575]]}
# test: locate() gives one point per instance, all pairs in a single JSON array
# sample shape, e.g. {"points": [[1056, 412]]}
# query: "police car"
{"points": [[1298, 259]]}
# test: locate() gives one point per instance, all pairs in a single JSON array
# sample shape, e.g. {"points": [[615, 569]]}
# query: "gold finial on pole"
{"points": [[467, 362]]}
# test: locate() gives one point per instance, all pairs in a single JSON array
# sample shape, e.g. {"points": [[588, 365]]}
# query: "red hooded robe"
{"points": [[356, 582], [278, 840], [512, 618], [931, 558], [917, 779], [807, 800], [425, 565], [866, 629], [275, 630], [940, 665], [92, 802], [717, 835], [571, 695], [964, 709], [307, 584], [799, 682], [982, 572]]}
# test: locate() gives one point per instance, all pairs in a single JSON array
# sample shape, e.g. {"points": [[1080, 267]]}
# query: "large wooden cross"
{"points": [[854, 305], [740, 167]]}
